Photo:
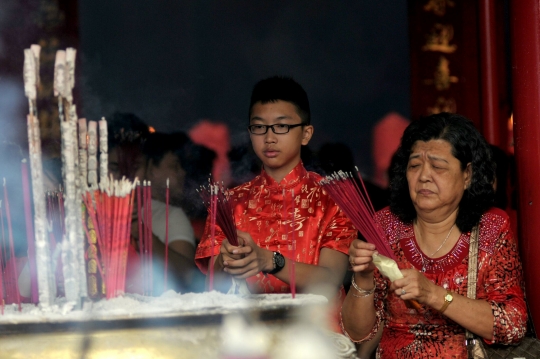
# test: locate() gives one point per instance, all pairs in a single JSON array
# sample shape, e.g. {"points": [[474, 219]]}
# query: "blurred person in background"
{"points": [[197, 161], [162, 164]]}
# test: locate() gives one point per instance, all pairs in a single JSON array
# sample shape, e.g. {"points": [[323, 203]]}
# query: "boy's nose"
{"points": [[270, 136]]}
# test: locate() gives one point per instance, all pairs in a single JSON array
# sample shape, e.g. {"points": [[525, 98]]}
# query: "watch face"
{"points": [[280, 260], [448, 297]]}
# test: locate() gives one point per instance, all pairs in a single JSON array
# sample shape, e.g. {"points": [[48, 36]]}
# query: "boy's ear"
{"points": [[306, 134]]}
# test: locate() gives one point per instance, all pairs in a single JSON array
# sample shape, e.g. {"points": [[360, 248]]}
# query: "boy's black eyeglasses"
{"points": [[278, 128]]}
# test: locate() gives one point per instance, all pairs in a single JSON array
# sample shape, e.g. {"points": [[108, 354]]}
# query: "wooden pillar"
{"points": [[525, 39], [458, 62], [488, 70]]}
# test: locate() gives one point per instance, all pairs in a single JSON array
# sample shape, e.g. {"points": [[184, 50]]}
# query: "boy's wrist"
{"points": [[269, 261]]}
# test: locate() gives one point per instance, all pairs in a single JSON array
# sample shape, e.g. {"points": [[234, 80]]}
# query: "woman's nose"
{"points": [[425, 173]]}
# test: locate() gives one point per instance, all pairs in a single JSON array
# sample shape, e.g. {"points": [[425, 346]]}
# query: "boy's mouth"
{"points": [[270, 153]]}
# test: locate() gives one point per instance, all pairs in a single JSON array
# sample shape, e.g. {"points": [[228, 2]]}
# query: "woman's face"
{"points": [[436, 181]]}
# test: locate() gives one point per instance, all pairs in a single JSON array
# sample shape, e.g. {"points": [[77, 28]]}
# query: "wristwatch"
{"points": [[448, 298], [279, 263]]}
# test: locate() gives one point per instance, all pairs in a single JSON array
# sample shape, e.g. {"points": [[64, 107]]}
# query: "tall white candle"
{"points": [[103, 149], [45, 273], [83, 154], [77, 204], [69, 74], [92, 154], [70, 256]]}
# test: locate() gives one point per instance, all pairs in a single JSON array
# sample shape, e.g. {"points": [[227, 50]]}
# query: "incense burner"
{"points": [[177, 326]]}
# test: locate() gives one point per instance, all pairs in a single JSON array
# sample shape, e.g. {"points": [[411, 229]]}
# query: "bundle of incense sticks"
{"points": [[221, 212], [356, 204], [9, 274], [109, 209], [144, 216], [216, 198]]}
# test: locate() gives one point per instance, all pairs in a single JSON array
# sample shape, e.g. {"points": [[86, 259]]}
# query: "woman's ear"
{"points": [[468, 175]]}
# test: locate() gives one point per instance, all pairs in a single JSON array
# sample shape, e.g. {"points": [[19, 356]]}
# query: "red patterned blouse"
{"points": [[427, 334]]}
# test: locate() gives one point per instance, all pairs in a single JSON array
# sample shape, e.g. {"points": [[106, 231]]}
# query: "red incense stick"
{"points": [[149, 236], [166, 233], [140, 227], [3, 258], [127, 234], [13, 259], [292, 273], [29, 231], [213, 202]]}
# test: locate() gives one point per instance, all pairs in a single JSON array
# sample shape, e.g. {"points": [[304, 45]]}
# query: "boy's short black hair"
{"points": [[282, 88]]}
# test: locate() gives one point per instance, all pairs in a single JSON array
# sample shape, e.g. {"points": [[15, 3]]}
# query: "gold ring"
{"points": [[351, 260]]}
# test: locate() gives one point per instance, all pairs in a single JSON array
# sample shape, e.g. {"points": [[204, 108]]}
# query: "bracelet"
{"points": [[363, 293]]}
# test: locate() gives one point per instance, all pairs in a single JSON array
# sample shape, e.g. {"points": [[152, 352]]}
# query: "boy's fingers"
{"points": [[242, 250]]}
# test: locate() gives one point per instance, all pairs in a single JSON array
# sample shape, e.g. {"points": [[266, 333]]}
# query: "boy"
{"points": [[279, 124]]}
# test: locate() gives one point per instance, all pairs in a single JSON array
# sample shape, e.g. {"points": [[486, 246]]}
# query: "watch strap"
{"points": [[446, 301], [279, 262]]}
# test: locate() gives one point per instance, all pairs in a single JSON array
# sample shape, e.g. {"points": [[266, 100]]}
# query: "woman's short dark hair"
{"points": [[468, 146]]}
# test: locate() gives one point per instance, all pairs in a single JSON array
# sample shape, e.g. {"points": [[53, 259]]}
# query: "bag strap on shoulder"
{"points": [[472, 275]]}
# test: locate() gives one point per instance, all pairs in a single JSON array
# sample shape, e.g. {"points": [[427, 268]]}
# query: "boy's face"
{"points": [[279, 153]]}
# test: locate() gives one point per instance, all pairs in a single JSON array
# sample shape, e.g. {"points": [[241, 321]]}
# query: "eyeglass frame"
{"points": [[273, 130]]}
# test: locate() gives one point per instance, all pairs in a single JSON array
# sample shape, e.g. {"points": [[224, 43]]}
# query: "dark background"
{"points": [[175, 62]]}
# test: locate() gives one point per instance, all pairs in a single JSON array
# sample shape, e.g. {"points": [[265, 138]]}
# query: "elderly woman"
{"points": [[441, 187]]}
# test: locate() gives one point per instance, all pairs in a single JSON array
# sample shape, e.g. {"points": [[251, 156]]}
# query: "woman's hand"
{"points": [[361, 257], [246, 260], [414, 285]]}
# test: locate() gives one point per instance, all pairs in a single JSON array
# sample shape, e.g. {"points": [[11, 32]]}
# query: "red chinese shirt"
{"points": [[264, 209]]}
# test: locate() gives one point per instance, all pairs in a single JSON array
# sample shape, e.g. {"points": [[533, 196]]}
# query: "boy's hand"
{"points": [[226, 251], [249, 258]]}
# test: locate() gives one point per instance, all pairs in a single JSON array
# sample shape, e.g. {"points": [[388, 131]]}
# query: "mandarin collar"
{"points": [[289, 181]]}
